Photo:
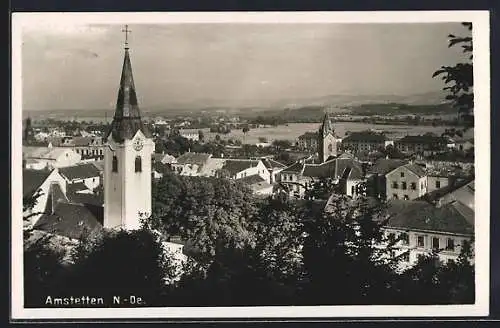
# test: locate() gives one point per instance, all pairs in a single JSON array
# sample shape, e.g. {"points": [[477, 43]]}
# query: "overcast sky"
{"points": [[78, 67]]}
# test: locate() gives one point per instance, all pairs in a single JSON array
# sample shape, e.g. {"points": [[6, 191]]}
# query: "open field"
{"points": [[294, 130]]}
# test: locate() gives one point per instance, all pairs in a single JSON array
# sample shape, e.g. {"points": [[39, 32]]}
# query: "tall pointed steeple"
{"points": [[327, 143], [127, 118], [326, 126]]}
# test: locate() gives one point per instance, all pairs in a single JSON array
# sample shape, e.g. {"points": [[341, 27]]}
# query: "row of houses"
{"points": [[259, 174], [370, 141], [441, 218]]}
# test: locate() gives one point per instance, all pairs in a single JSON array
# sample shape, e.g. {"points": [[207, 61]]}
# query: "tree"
{"points": [[205, 211], [345, 259], [281, 144], [245, 129], [459, 79], [120, 263]]}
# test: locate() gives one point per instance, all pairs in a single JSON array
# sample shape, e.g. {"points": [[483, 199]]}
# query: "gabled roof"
{"points": [[80, 171], [415, 168], [252, 179], [55, 196], [127, 119], [323, 170], [76, 187], [272, 164], [33, 179], [383, 166], [193, 158], [84, 198], [365, 136], [99, 165], [420, 215], [71, 220], [352, 167], [296, 168], [234, 166]]}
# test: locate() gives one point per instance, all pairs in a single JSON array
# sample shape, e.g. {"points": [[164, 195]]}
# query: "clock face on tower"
{"points": [[138, 144]]}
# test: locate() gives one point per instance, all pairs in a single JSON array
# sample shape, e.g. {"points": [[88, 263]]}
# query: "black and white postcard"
{"points": [[250, 165]]}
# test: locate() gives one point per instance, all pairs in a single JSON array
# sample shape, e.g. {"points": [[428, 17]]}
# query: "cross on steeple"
{"points": [[126, 31]]}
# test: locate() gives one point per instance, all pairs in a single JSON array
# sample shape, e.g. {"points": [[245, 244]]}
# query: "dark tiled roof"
{"points": [[296, 167], [82, 198], [193, 158], [309, 135], [354, 168], [438, 193], [383, 166], [234, 166], [420, 215], [127, 119], [252, 179], [323, 170], [71, 220], [75, 187], [55, 196], [417, 169], [80, 171], [272, 164], [365, 136], [423, 139], [32, 180]]}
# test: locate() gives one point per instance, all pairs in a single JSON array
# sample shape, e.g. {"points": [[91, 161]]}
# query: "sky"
{"points": [[79, 66]]}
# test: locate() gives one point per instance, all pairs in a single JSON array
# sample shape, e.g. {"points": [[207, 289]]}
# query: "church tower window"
{"points": [[138, 164], [115, 164]]}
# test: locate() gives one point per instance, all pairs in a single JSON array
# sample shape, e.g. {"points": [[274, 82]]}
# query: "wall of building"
{"points": [[395, 183], [127, 193], [415, 250], [68, 158], [436, 182]]}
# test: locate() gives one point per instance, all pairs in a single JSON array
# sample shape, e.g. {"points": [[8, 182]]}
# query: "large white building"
{"points": [[127, 159]]}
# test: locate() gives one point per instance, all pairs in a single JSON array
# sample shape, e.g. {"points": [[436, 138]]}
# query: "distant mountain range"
{"points": [[333, 103]]}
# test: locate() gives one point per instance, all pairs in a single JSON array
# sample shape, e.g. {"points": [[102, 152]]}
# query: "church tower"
{"points": [[127, 158], [327, 143]]}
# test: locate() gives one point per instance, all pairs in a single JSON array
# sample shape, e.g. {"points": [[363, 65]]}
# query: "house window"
{"points": [[395, 185], [402, 174], [391, 237], [420, 241], [115, 164], [435, 243], [404, 238], [138, 164], [403, 185], [405, 197], [413, 186], [438, 184], [405, 257], [450, 244]]}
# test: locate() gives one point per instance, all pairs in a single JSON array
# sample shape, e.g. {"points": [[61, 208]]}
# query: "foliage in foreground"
{"points": [[247, 251]]}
